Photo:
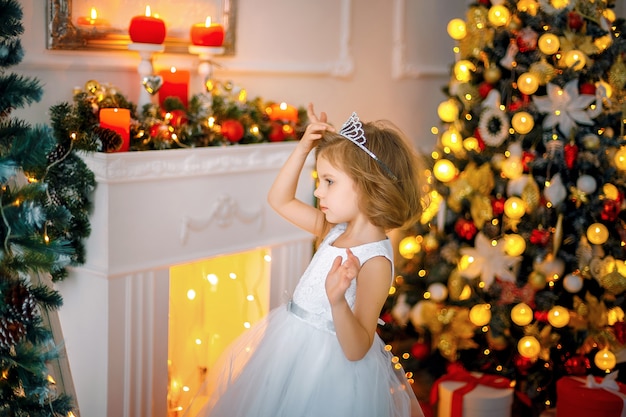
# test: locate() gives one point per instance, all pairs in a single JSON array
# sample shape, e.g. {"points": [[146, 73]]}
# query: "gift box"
{"points": [[593, 396], [465, 394]]}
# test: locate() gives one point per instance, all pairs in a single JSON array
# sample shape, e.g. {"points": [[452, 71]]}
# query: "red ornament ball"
{"points": [[522, 364], [484, 89], [278, 133], [420, 350], [588, 88], [232, 130]]}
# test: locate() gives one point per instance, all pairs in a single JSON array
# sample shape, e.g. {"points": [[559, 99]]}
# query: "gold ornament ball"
{"points": [[463, 70], [529, 347], [92, 86], [575, 59], [610, 191], [480, 314], [528, 6], [605, 359], [514, 208], [408, 247], [597, 233], [457, 29], [448, 111], [444, 170], [537, 280], [498, 15], [527, 83], [492, 74], [558, 316], [522, 314], [523, 122], [452, 139], [549, 43], [620, 158], [471, 144], [514, 244]]}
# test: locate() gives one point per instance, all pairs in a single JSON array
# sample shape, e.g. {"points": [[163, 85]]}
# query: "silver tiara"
{"points": [[352, 130]]}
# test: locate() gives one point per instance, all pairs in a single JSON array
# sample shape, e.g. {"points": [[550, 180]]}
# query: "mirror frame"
{"points": [[64, 35]]}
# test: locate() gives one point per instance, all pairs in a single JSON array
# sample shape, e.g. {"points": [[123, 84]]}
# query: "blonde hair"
{"points": [[389, 189]]}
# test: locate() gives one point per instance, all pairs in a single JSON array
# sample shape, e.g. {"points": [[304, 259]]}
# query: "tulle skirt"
{"points": [[290, 366]]}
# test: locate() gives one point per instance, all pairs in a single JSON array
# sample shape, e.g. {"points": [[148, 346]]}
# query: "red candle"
{"points": [[207, 33], [175, 84], [283, 111], [147, 29], [117, 120]]}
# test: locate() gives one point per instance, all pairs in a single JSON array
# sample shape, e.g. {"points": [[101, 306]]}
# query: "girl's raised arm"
{"points": [[282, 194]]}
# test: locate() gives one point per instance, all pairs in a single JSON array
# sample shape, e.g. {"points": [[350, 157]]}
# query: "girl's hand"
{"points": [[310, 111], [340, 276], [312, 134]]}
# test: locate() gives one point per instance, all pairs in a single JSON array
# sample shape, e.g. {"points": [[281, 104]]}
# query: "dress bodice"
{"points": [[310, 293]]}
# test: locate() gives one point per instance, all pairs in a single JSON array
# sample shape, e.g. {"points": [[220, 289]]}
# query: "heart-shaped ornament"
{"points": [[152, 83]]}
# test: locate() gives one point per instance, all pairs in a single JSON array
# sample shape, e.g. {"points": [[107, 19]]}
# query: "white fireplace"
{"points": [[154, 210]]}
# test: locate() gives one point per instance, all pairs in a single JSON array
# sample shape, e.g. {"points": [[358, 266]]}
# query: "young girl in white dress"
{"points": [[320, 355]]}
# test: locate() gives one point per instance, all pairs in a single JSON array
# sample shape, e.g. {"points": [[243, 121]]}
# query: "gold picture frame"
{"points": [[63, 32]]}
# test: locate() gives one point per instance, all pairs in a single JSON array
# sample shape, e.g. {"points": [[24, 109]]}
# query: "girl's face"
{"points": [[336, 192]]}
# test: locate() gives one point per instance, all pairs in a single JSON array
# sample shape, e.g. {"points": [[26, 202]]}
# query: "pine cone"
{"points": [[110, 140], [56, 154], [20, 302], [54, 198], [11, 332]]}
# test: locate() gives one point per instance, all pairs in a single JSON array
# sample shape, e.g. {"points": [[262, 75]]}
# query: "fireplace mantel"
{"points": [[152, 210]]}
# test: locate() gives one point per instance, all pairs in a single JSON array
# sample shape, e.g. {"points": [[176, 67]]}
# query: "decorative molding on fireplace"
{"points": [[223, 212]]}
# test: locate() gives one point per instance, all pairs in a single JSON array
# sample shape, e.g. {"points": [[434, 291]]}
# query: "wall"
{"points": [[382, 58]]}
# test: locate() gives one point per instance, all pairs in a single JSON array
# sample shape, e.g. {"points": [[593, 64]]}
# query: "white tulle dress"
{"points": [[291, 364]]}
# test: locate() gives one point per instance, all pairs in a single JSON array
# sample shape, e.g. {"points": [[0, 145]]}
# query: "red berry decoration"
{"points": [[575, 21], [610, 210], [539, 237], [497, 206], [466, 229], [232, 130], [577, 365]]}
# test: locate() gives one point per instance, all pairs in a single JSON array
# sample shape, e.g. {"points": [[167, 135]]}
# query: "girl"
{"points": [[320, 356]]}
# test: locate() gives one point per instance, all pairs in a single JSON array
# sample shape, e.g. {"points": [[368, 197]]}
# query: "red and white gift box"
{"points": [[580, 397], [465, 394]]}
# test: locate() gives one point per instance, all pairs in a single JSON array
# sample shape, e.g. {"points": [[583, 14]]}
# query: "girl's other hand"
{"points": [[340, 276]]}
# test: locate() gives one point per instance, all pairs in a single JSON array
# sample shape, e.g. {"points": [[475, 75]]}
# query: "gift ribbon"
{"points": [[608, 383], [472, 382]]}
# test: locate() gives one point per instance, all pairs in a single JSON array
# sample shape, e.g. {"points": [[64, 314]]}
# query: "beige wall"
{"points": [[382, 58]]}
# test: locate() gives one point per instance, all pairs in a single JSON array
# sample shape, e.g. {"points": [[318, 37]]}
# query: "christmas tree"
{"points": [[44, 215], [517, 266]]}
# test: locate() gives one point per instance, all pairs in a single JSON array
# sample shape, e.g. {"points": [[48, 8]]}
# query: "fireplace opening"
{"points": [[211, 302]]}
